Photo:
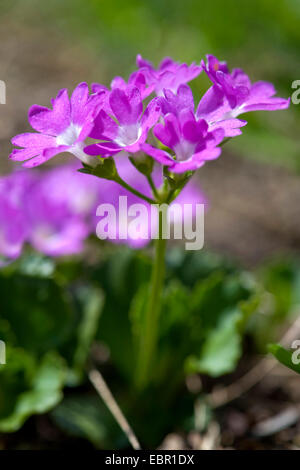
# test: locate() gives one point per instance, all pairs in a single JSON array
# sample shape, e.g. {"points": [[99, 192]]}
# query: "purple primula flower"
{"points": [[190, 138], [169, 75], [137, 79], [13, 223], [234, 87], [52, 210], [78, 192], [240, 95], [61, 129], [116, 118], [128, 128], [59, 223], [12, 230], [175, 103], [215, 109]]}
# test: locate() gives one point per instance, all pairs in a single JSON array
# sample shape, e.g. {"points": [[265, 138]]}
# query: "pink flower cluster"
{"points": [[50, 210], [153, 112]]}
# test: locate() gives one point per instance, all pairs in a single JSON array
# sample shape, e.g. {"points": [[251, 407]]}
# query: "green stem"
{"points": [[152, 186], [148, 340], [134, 191], [180, 187]]}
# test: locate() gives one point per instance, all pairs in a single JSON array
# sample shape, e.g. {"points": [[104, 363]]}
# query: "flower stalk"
{"points": [[134, 191], [149, 333]]}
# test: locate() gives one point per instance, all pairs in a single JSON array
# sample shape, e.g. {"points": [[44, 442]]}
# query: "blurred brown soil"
{"points": [[254, 209], [267, 417]]}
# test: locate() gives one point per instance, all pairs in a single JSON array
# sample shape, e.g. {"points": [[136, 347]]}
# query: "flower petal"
{"points": [[273, 104], [210, 102], [45, 156], [105, 149], [196, 161], [105, 128], [78, 102], [151, 114], [260, 91], [169, 133], [31, 139], [120, 106], [159, 155], [48, 121], [188, 165], [20, 155], [231, 127]]}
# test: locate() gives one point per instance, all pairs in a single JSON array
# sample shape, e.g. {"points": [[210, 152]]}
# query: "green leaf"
{"points": [[121, 277], [92, 300], [15, 377], [143, 163], [175, 313], [193, 267], [106, 169], [36, 265], [248, 308], [174, 334], [38, 312], [281, 281], [87, 417], [222, 319], [221, 350], [285, 357], [211, 297], [34, 388]]}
